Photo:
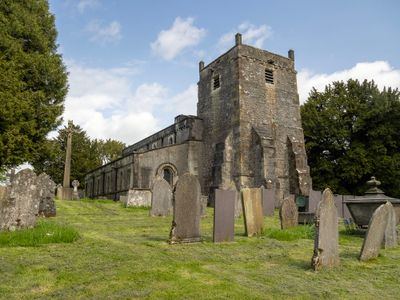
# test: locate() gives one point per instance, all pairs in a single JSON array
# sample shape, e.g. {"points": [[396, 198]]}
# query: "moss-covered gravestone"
{"points": [[252, 211], [186, 221], [326, 243], [288, 213]]}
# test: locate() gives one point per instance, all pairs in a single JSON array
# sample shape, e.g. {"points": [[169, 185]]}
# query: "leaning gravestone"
{"points": [[375, 234], [161, 199], [46, 188], [288, 213], [326, 243], [186, 221], [390, 237], [20, 204], [268, 201], [252, 211], [224, 216]]}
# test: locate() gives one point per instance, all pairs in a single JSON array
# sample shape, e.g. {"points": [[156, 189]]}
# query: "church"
{"points": [[247, 133]]}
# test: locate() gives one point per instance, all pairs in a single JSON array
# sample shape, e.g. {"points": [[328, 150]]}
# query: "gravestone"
{"points": [[288, 213], [313, 200], [375, 234], [59, 191], [268, 201], [238, 200], [186, 221], [138, 198], [224, 216], [326, 242], [46, 188], [161, 199], [252, 211], [75, 193], [203, 205], [390, 237], [20, 203]]}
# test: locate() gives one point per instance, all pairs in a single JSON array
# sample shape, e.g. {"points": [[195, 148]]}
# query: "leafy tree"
{"points": [[33, 79], [109, 150], [352, 132]]}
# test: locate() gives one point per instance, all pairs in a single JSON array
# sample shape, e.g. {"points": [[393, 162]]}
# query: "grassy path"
{"points": [[123, 254]]}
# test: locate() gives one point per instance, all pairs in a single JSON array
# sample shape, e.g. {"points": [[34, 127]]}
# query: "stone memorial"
{"points": [[288, 213], [375, 234], [20, 202], [224, 216], [390, 237], [186, 221], [203, 205], [138, 198], [326, 242], [59, 191], [75, 193], [161, 199], [252, 211], [268, 201], [46, 186], [313, 200]]}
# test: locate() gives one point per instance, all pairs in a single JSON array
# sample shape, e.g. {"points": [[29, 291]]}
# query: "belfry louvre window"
{"points": [[269, 76], [216, 82]]}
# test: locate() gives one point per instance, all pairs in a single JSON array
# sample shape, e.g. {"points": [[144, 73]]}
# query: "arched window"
{"points": [[168, 175]]}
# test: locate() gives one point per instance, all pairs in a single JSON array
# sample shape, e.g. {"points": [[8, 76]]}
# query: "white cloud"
{"points": [[185, 102], [104, 33], [171, 42], [84, 4], [106, 105], [380, 71], [251, 35]]}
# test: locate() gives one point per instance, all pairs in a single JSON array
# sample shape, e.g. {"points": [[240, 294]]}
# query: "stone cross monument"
{"points": [[75, 193], [66, 189]]}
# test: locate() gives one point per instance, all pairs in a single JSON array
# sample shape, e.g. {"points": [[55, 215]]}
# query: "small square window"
{"points": [[216, 82], [269, 76]]}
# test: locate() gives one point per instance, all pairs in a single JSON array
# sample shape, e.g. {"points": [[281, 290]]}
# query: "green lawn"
{"points": [[122, 253]]}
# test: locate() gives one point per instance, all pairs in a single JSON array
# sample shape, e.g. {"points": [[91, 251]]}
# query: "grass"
{"points": [[45, 232], [123, 254]]}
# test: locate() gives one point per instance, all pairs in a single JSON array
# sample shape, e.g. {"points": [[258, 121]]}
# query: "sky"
{"points": [[133, 64]]}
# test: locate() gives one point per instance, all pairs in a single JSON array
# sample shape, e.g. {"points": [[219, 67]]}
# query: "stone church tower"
{"points": [[248, 101]]}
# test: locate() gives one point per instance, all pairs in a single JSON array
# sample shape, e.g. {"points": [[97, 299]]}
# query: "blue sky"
{"points": [[133, 64]]}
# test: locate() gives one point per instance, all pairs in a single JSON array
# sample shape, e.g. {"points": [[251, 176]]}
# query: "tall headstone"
{"points": [[375, 234], [46, 188], [224, 216], [326, 243], [288, 213], [390, 238], [75, 193], [252, 211], [161, 199], [186, 221], [20, 202], [268, 201], [67, 190], [313, 200]]}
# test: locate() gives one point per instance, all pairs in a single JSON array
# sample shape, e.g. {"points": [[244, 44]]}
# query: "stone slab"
{"points": [[288, 213], [326, 242], [186, 220], [20, 202], [375, 234], [224, 216], [390, 239], [203, 205], [313, 200], [161, 199], [252, 211], [138, 198], [268, 201], [46, 188]]}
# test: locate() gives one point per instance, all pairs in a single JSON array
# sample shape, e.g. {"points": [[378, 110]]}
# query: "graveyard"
{"points": [[124, 253]]}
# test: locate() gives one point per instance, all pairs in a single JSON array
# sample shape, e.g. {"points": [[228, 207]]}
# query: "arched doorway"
{"points": [[168, 172]]}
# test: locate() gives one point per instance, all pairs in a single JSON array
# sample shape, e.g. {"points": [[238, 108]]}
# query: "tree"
{"points": [[352, 132], [33, 79], [86, 154]]}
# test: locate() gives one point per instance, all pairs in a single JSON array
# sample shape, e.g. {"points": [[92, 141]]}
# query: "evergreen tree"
{"points": [[352, 132], [33, 79]]}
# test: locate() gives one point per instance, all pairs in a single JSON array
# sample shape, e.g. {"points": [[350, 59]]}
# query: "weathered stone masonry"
{"points": [[247, 134]]}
